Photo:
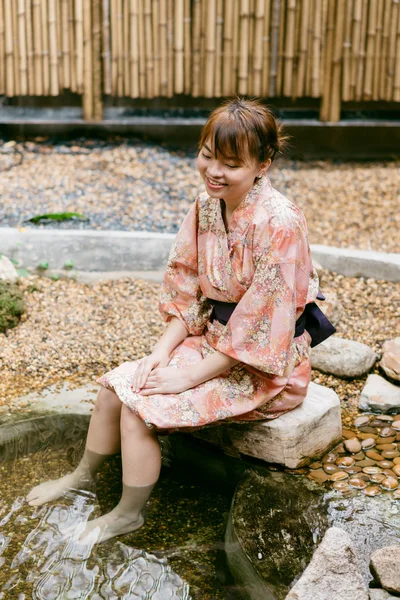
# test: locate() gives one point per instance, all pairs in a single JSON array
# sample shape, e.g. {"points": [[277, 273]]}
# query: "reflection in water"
{"points": [[60, 567]]}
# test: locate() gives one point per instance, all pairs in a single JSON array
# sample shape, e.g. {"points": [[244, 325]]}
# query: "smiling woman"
{"points": [[236, 347]]}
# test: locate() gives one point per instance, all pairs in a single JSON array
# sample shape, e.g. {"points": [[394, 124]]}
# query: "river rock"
{"points": [[390, 362], [332, 573], [331, 306], [385, 567], [379, 395], [293, 440], [7, 270], [380, 594], [343, 358]]}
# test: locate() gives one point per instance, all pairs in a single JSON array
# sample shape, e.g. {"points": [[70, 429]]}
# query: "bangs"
{"points": [[231, 139]]}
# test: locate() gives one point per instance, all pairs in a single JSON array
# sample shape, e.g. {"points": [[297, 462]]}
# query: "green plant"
{"points": [[12, 305], [43, 265], [69, 264]]}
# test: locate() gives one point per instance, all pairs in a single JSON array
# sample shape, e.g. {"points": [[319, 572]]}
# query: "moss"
{"points": [[12, 305]]}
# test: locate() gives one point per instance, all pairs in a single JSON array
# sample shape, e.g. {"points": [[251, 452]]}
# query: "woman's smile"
{"points": [[214, 184]]}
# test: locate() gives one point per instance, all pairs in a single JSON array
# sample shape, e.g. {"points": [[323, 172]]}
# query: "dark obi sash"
{"points": [[311, 320]]}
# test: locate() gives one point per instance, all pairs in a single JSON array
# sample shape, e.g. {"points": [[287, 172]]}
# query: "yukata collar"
{"points": [[243, 213]]}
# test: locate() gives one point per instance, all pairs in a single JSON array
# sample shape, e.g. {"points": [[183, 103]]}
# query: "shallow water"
{"points": [[177, 554]]}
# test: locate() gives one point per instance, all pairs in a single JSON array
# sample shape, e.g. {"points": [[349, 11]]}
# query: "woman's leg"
{"points": [[103, 439], [141, 464]]}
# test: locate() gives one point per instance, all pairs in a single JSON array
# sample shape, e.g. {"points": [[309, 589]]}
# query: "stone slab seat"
{"points": [[292, 440]]}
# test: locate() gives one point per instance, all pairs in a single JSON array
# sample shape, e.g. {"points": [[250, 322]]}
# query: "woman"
{"points": [[238, 278]]}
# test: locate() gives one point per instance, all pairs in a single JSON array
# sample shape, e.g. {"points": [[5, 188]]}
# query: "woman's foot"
{"points": [[110, 525], [52, 490]]}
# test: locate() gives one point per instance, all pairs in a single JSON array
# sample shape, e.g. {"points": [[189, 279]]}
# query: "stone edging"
{"points": [[148, 251]]}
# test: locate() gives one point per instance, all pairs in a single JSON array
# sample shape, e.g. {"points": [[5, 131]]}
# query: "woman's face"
{"points": [[226, 177]]}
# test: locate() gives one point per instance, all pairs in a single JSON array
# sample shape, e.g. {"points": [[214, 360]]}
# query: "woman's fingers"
{"points": [[142, 373]]}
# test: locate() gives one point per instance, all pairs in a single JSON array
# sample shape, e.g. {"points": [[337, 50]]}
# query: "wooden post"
{"points": [[79, 45], [243, 73], [97, 66], [178, 46], [276, 14], [134, 48], [72, 44], [196, 40], [9, 49], [258, 46], [378, 53], [87, 62], [335, 102], [106, 48], [289, 47], [23, 61], [188, 48], [54, 90], [327, 84], [266, 48], [304, 51]]}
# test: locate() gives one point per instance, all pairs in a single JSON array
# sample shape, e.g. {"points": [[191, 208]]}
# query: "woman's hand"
{"points": [[157, 358], [167, 380]]}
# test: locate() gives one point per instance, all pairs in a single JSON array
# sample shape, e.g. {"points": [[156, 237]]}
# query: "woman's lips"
{"points": [[214, 186]]}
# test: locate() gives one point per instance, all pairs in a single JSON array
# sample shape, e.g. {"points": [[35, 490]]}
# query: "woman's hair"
{"points": [[244, 129]]}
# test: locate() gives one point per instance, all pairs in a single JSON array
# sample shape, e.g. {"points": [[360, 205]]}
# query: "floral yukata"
{"points": [[264, 265]]}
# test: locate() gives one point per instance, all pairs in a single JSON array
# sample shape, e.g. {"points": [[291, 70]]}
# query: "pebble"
{"points": [[348, 434], [387, 432], [390, 483], [386, 447], [368, 443], [330, 468], [341, 486], [319, 475], [357, 483], [377, 477], [345, 461], [338, 476], [372, 470], [396, 425], [396, 494], [315, 465], [372, 490], [367, 462], [390, 454], [385, 440], [374, 455], [389, 473], [360, 421], [385, 464], [396, 460], [330, 458], [353, 446]]}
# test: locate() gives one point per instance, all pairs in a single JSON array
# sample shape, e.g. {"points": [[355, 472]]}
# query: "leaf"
{"points": [[43, 265], [58, 217], [23, 272], [69, 264]]}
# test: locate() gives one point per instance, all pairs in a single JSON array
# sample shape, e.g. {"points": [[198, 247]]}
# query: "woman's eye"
{"points": [[233, 166], [206, 155]]}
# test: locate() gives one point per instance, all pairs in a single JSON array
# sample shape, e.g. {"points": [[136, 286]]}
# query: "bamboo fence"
{"points": [[334, 50]]}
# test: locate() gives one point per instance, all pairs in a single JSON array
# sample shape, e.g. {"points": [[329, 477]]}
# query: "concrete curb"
{"points": [[148, 251]]}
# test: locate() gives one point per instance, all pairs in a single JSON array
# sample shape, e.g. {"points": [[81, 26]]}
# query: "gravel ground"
{"points": [[72, 331], [132, 185]]}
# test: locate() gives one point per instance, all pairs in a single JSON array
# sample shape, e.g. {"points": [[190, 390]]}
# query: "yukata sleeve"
{"points": [[181, 294], [261, 329]]}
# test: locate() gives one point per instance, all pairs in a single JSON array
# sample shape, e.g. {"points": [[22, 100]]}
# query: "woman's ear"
{"points": [[264, 167]]}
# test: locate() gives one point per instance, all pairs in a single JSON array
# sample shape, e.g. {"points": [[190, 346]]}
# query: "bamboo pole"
{"points": [[37, 46], [45, 47], [65, 47], [346, 96], [210, 49], [2, 52], [72, 26], [295, 71], [156, 47], [276, 10], [385, 48], [178, 46], [361, 61], [163, 48], [356, 42], [106, 55], [142, 51], [187, 48], [17, 88], [120, 48], [218, 49], [114, 49], [324, 26], [250, 67], [196, 41], [371, 48], [87, 62], [243, 71], [235, 45], [134, 49], [170, 35], [289, 47], [54, 90], [266, 47], [258, 47], [79, 45], [126, 23], [29, 48], [303, 48], [378, 53], [23, 62], [279, 76], [58, 42], [337, 62], [9, 49], [97, 66], [227, 36], [149, 49], [310, 53], [396, 84], [392, 51], [327, 87]]}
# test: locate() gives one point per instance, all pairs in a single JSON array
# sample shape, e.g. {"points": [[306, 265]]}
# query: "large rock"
{"points": [[380, 395], [379, 594], [343, 358], [390, 362], [291, 440], [385, 567], [332, 573], [7, 270]]}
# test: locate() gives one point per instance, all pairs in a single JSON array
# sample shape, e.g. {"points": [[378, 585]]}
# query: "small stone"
{"points": [[319, 475], [343, 358], [379, 594], [316, 465], [368, 443], [341, 486], [7, 270], [353, 446], [366, 436], [396, 425], [390, 483], [386, 440], [345, 461], [377, 477], [357, 483], [390, 362], [340, 449], [360, 421], [330, 468], [389, 473], [359, 456], [385, 464], [372, 490], [374, 455], [348, 434], [385, 567], [329, 458], [386, 447], [387, 418], [367, 462], [396, 470], [367, 429], [352, 470], [390, 454], [380, 395], [396, 494], [338, 476], [396, 460], [387, 431], [372, 470]]}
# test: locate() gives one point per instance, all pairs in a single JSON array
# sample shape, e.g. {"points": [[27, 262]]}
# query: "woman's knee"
{"points": [[132, 425], [107, 401]]}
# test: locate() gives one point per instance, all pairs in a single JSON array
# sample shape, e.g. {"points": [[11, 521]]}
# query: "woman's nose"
{"points": [[215, 169]]}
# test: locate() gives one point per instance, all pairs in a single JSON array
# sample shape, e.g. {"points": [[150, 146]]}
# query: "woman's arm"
{"points": [[173, 381]]}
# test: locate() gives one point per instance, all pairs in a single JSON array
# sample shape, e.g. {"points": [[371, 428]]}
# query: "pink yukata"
{"points": [[264, 265]]}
